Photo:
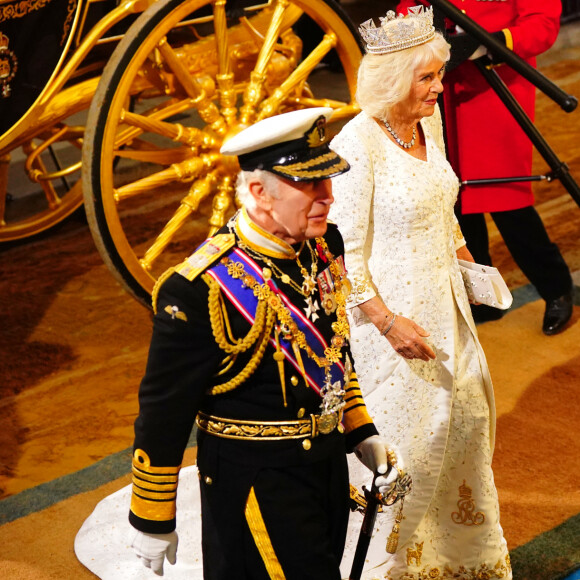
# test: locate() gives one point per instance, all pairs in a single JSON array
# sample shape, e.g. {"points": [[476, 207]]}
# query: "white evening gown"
{"points": [[395, 213]]}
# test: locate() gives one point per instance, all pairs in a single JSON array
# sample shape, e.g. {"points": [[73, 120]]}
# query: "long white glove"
{"points": [[372, 452], [152, 549]]}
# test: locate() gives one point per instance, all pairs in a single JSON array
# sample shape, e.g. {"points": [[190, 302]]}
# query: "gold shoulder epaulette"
{"points": [[205, 256], [197, 262]]}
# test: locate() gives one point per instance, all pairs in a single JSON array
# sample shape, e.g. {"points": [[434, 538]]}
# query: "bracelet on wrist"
{"points": [[390, 325]]}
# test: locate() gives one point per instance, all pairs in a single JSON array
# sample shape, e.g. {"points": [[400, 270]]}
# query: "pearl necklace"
{"points": [[402, 143]]}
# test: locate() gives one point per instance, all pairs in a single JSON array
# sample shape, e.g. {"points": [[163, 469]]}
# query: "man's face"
{"points": [[298, 210]]}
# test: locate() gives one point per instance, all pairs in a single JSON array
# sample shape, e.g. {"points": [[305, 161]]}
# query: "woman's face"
{"points": [[425, 88]]}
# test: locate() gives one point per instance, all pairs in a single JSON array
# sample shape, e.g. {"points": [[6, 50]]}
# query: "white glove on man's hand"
{"points": [[152, 549], [372, 452], [479, 52]]}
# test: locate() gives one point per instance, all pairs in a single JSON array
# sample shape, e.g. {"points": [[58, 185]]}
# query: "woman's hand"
{"points": [[405, 336]]}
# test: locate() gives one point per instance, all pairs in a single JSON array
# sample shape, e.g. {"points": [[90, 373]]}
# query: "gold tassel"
{"points": [[393, 540], [279, 358], [298, 356]]}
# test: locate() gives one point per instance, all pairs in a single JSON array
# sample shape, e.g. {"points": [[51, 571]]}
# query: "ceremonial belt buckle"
{"points": [[268, 430], [325, 423]]}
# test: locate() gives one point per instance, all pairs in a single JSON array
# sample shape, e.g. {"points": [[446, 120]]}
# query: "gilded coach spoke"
{"points": [[177, 90]]}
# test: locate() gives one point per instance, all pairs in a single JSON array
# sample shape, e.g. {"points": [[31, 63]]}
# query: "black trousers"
{"points": [[263, 523], [526, 238]]}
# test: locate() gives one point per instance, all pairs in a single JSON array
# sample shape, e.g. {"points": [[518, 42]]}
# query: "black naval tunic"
{"points": [[270, 508]]}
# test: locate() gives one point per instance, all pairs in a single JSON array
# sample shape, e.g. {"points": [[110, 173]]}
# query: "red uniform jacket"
{"points": [[482, 137]]}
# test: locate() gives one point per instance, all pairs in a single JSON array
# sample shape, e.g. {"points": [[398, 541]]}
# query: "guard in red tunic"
{"points": [[485, 141]]}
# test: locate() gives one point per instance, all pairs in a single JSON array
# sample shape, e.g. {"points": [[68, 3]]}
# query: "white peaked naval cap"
{"points": [[293, 145]]}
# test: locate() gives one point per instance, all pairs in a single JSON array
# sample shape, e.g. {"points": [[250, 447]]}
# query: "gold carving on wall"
{"points": [[8, 66], [20, 9], [70, 14]]}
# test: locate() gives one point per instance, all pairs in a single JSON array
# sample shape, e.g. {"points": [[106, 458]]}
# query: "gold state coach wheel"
{"points": [[186, 77]]}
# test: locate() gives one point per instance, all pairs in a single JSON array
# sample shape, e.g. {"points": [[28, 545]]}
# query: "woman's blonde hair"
{"points": [[386, 79]]}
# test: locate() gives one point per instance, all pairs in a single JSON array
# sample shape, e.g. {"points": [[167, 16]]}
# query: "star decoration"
{"points": [[311, 308]]}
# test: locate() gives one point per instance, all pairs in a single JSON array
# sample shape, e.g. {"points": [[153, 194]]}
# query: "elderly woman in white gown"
{"points": [[421, 367]]}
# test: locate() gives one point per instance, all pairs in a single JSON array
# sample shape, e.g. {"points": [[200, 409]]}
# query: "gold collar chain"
{"points": [[288, 327], [309, 283]]}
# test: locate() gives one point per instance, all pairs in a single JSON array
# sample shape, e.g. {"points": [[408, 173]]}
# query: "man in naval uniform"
{"points": [[250, 340]]}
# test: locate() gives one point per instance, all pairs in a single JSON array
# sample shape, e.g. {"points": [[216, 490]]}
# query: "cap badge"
{"points": [[317, 135]]}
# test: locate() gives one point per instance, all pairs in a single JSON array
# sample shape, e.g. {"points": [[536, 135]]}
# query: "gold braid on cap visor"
{"points": [[307, 168]]}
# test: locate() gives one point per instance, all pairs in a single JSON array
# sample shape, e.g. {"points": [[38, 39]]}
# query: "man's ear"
{"points": [[258, 192]]}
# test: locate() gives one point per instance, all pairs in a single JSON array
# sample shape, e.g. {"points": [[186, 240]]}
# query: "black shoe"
{"points": [[558, 313], [483, 313]]}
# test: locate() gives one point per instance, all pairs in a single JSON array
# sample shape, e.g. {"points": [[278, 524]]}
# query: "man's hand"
{"points": [[152, 549], [372, 452], [501, 38], [463, 47]]}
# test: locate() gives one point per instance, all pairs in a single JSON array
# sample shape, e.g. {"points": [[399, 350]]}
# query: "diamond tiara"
{"points": [[398, 32]]}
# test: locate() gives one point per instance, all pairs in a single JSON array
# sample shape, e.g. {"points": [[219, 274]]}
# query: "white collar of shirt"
{"points": [[260, 240]]}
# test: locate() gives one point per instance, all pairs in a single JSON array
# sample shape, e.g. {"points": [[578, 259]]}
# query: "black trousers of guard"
{"points": [[526, 239], [305, 509]]}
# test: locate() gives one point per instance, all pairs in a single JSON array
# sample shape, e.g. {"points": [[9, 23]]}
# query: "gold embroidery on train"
{"points": [[500, 571], [467, 514], [415, 554]]}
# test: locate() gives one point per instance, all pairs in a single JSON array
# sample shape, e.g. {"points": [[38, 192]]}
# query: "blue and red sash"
{"points": [[242, 297]]}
